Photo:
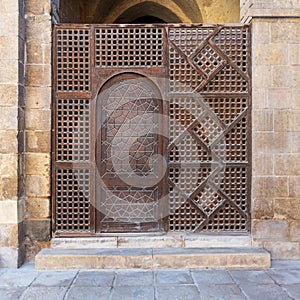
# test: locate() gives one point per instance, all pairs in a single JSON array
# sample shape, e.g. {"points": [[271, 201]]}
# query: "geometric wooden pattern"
{"points": [[214, 63], [208, 143]]}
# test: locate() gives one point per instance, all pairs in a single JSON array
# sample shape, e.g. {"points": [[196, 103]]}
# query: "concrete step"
{"points": [[149, 258], [157, 241]]}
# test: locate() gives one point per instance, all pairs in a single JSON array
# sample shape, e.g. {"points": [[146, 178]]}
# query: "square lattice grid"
{"points": [[73, 130], [73, 200], [73, 60], [129, 47]]}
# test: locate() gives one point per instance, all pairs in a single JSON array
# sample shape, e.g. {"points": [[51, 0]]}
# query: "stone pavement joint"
{"points": [[282, 282]]}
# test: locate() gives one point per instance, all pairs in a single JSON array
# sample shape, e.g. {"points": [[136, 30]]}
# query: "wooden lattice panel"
{"points": [[73, 136], [209, 129], [129, 47], [73, 201], [208, 93], [73, 60]]}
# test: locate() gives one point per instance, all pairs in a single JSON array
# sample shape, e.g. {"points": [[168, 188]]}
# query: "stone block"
{"points": [[37, 164], [149, 242], [294, 186], [9, 71], [268, 187], [47, 54], [287, 164], [286, 76], [262, 164], [8, 94], [34, 53], [210, 258], [273, 230], [263, 120], [287, 208], [9, 7], [9, 24], [295, 137], [283, 250], [271, 142], [37, 7], [38, 141], [85, 243], [38, 230], [9, 118], [38, 120], [260, 80], [38, 75], [9, 142], [295, 231], [261, 33], [262, 209], [9, 235], [9, 212], [283, 120], [296, 120], [9, 188], [294, 54], [259, 98], [295, 98], [39, 29], [9, 165], [38, 97], [37, 186], [9, 257], [37, 208], [285, 32], [279, 98], [8, 47], [270, 54], [216, 241]]}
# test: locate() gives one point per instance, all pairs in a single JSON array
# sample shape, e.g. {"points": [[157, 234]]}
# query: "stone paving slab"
{"points": [[279, 283], [265, 292], [293, 290], [249, 277], [133, 278], [177, 292], [173, 277], [90, 293], [221, 291], [11, 293], [94, 278], [205, 277], [285, 276], [44, 293], [59, 278], [133, 292]]}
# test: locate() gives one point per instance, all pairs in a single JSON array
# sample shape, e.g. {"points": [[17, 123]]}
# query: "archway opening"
{"points": [[147, 20], [124, 11]]}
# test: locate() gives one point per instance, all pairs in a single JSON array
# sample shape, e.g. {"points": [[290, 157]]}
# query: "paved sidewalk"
{"points": [[280, 282]]}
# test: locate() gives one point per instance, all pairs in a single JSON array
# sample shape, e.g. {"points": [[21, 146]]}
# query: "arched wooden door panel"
{"points": [[130, 152]]}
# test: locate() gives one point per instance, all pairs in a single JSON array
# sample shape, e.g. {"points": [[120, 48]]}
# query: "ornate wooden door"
{"points": [[130, 155]]}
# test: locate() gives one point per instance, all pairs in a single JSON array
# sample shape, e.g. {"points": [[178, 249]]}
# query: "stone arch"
{"points": [[106, 12]]}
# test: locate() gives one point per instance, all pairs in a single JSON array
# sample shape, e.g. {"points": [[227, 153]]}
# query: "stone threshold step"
{"points": [[163, 258], [162, 241]]}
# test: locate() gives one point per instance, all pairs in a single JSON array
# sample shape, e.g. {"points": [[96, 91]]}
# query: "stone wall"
{"points": [[276, 126], [12, 36], [37, 126]]}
